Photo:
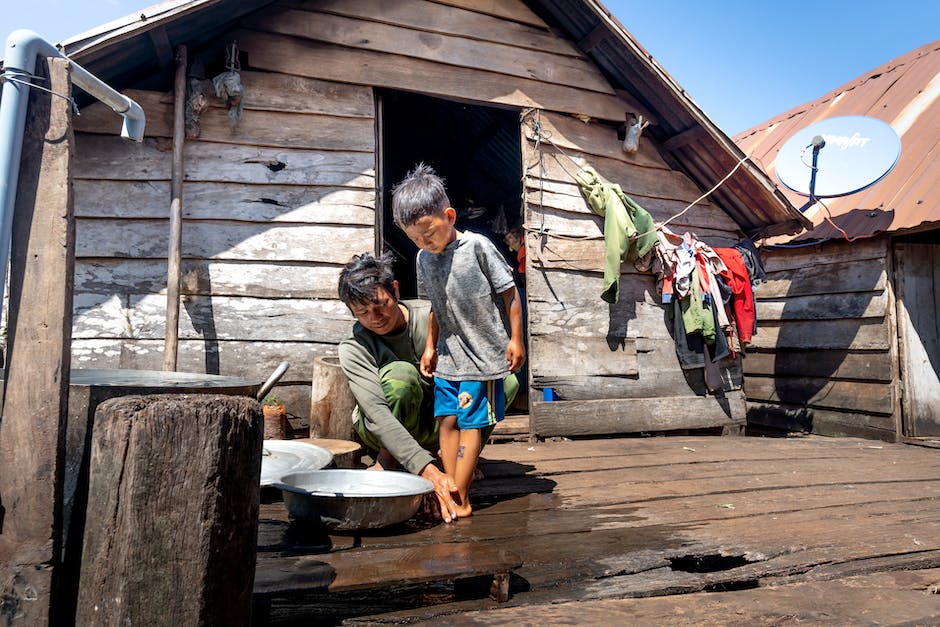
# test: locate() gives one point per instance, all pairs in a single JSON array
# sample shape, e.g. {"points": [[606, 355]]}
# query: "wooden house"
{"points": [[505, 98], [848, 342]]}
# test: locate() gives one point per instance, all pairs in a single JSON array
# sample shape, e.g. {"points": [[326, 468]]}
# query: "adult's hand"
{"points": [[444, 489]]}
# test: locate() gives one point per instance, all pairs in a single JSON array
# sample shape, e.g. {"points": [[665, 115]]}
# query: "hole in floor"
{"points": [[706, 563], [730, 586]]}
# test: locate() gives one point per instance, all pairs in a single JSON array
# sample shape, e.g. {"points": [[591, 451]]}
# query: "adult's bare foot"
{"points": [[384, 461]]}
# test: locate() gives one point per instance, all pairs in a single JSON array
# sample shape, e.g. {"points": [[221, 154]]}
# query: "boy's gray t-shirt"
{"points": [[464, 284]]}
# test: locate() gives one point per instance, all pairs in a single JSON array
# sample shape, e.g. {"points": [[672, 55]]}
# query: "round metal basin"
{"points": [[283, 457], [345, 499]]}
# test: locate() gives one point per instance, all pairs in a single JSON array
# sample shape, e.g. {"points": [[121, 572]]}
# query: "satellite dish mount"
{"points": [[818, 144]]}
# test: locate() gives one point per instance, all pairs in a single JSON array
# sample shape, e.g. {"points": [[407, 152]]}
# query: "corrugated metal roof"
{"points": [[142, 45], [904, 93]]}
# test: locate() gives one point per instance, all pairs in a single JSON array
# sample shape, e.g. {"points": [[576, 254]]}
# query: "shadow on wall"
{"points": [[827, 305]]}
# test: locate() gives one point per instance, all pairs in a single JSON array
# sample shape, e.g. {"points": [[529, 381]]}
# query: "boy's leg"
{"points": [[481, 405], [445, 408], [468, 452], [449, 439], [510, 390]]}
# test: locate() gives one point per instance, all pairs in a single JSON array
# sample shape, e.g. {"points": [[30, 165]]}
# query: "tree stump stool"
{"points": [[346, 453], [172, 513], [331, 401]]}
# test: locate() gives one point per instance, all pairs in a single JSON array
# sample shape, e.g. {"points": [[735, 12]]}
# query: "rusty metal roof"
{"points": [[904, 93]]}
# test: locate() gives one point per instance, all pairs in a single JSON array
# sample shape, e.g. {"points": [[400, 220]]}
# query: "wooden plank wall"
{"points": [[274, 207], [825, 355], [626, 377]]}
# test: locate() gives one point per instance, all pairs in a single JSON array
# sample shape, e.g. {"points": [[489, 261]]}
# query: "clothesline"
{"points": [[543, 135]]}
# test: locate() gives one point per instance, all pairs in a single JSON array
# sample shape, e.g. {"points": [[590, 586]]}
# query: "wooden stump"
{"points": [[331, 401], [172, 515], [346, 453]]}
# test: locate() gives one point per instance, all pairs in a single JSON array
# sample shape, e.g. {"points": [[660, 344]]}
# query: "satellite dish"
{"points": [[849, 153]]}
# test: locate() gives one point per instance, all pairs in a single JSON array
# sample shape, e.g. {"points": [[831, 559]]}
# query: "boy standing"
{"points": [[473, 299]]}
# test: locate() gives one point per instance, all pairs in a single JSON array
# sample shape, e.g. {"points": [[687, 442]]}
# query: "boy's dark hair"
{"points": [[419, 194], [364, 273]]}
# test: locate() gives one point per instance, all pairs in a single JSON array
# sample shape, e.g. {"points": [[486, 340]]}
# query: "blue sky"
{"points": [[742, 61]]}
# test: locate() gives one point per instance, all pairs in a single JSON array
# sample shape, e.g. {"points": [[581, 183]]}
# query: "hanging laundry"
{"points": [[742, 299], [684, 269], [752, 262], [697, 316], [629, 231], [691, 275]]}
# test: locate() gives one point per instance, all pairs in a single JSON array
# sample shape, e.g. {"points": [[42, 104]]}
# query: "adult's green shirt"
{"points": [[362, 354]]}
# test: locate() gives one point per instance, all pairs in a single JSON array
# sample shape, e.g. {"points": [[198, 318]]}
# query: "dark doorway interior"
{"points": [[477, 152]]}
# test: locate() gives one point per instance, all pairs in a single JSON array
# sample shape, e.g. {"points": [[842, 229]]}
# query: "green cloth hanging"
{"points": [[697, 315], [629, 231]]}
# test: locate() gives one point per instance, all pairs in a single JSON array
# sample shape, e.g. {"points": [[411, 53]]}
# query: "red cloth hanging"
{"points": [[742, 297]]}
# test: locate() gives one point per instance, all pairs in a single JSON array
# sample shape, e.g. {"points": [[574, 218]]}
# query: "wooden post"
{"points": [[40, 329], [175, 253], [172, 516], [331, 401]]}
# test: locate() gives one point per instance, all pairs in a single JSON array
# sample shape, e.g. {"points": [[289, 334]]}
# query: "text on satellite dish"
{"points": [[844, 141]]}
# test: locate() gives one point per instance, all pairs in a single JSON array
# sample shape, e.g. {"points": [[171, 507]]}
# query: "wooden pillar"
{"points": [[331, 401], [39, 336], [174, 262], [172, 517]]}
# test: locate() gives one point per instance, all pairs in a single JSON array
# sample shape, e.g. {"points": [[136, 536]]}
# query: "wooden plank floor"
{"points": [[667, 530]]}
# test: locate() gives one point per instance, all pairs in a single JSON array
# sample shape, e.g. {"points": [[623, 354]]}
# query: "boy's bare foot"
{"points": [[464, 510]]}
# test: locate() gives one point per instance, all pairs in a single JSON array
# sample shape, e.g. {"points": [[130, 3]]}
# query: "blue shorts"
{"points": [[477, 404]]}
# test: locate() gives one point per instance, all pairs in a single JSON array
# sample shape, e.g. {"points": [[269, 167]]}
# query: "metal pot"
{"points": [[346, 499]]}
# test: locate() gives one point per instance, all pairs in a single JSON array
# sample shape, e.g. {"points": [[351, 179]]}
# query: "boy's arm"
{"points": [[429, 357], [515, 352]]}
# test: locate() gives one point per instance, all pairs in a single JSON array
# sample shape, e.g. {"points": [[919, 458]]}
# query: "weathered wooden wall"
{"points": [[619, 357], [274, 207], [271, 210], [825, 355]]}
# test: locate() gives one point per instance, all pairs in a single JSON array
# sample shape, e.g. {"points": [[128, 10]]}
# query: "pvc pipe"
{"points": [[22, 48]]}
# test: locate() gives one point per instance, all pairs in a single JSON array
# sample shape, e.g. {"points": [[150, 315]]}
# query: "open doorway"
{"points": [[475, 149]]}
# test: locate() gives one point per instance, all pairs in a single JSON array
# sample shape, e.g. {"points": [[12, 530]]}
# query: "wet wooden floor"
{"points": [[661, 530]]}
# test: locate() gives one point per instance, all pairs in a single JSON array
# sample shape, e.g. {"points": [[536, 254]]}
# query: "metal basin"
{"points": [[282, 457], [353, 499]]}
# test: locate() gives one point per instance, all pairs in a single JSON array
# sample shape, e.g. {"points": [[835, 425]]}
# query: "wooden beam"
{"points": [[162, 48], [32, 444], [633, 415], [694, 134], [175, 252], [593, 38]]}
